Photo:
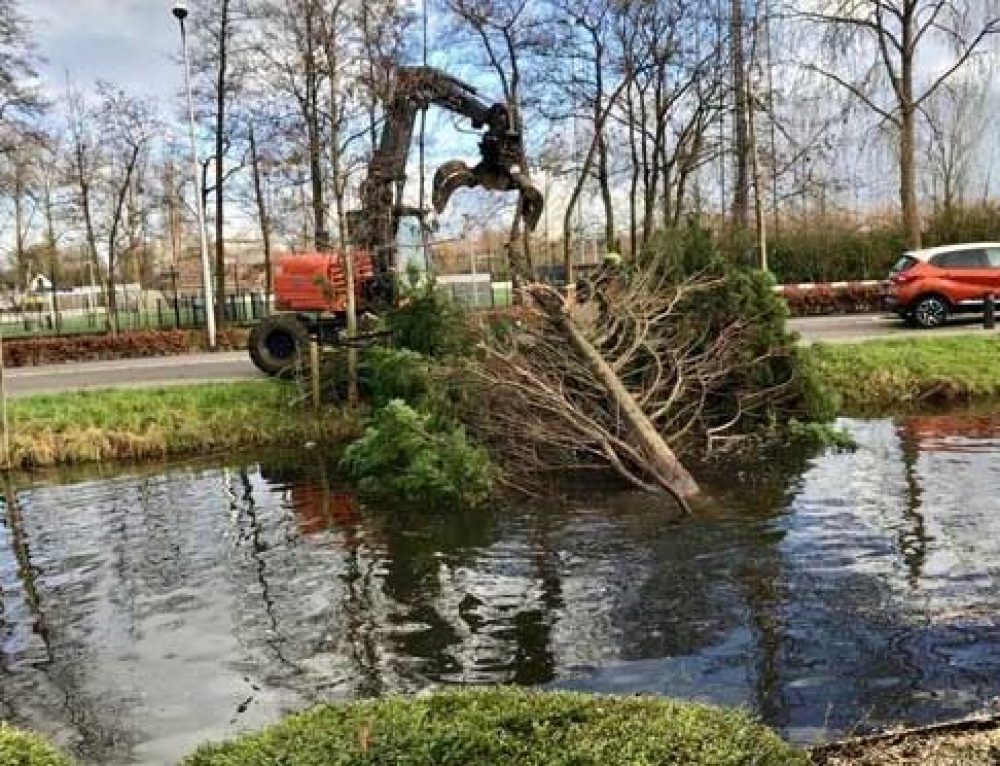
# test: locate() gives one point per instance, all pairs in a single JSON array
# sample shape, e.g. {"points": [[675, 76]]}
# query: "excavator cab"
{"points": [[412, 259]]}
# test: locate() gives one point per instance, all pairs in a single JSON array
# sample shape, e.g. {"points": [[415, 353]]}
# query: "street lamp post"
{"points": [[180, 12]]}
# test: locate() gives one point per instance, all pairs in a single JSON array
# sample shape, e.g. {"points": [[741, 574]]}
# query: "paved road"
{"points": [[847, 329], [235, 365], [130, 373]]}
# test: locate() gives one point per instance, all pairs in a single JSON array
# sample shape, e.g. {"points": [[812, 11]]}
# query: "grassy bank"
{"points": [[900, 374], [508, 726], [159, 423]]}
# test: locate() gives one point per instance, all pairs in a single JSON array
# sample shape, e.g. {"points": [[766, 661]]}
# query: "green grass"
{"points": [[512, 727], [157, 423], [900, 374], [20, 749]]}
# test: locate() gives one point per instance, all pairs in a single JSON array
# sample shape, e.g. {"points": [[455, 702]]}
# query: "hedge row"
{"points": [[817, 248], [26, 352], [825, 299]]}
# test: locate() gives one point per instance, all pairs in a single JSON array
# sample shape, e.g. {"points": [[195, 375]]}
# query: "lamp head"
{"points": [[180, 10]]}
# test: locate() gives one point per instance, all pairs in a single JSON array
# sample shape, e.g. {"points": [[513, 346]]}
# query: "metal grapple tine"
{"points": [[447, 179]]}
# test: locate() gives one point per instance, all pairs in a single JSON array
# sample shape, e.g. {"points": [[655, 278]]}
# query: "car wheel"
{"points": [[930, 311]]}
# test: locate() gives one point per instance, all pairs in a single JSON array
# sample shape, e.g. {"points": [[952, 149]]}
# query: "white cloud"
{"points": [[128, 42]]}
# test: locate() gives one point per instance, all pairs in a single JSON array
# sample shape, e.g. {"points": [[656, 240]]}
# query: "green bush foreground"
{"points": [[512, 727], [20, 749]]}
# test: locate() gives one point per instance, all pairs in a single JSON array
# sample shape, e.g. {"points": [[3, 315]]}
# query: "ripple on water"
{"points": [[160, 611]]}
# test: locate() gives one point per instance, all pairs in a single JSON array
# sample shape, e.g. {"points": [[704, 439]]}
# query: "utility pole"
{"points": [[180, 13]]}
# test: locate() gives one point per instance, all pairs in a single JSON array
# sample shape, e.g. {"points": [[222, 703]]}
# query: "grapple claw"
{"points": [[455, 174], [447, 179]]}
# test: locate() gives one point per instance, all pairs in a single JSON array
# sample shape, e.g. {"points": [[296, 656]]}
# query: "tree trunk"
{"points": [[758, 191], [220, 128], [671, 475], [19, 244], [265, 223], [741, 141], [908, 179], [568, 215], [339, 185], [633, 224], [603, 178], [311, 113], [113, 239], [50, 246]]}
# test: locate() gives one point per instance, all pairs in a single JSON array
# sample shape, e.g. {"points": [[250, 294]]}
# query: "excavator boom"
{"points": [[500, 167]]}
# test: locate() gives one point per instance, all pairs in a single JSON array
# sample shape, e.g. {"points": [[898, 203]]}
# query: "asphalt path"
{"points": [[858, 327], [130, 373], [236, 365]]}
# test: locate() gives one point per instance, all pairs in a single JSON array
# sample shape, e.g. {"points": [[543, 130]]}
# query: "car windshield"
{"points": [[904, 263]]}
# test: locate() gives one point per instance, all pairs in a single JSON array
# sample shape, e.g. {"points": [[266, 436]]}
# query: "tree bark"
{"points": [[741, 141], [113, 239], [262, 217], [671, 475], [908, 140], [603, 179], [220, 128], [633, 189], [311, 113]]}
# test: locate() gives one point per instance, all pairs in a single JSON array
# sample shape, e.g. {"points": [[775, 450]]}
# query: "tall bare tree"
{"points": [[901, 34], [85, 162], [957, 118], [127, 126], [19, 94]]}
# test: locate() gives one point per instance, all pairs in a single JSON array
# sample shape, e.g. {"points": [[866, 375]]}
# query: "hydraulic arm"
{"points": [[499, 169]]}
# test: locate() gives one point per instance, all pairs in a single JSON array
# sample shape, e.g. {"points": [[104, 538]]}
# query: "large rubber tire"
{"points": [[931, 311], [276, 342]]}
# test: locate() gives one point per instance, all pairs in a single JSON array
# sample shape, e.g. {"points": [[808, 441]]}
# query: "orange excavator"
{"points": [[388, 239]]}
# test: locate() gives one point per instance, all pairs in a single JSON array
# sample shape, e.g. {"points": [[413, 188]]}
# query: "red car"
{"points": [[927, 286]]}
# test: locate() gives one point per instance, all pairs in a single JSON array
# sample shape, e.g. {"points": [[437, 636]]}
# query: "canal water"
{"points": [[141, 615]]}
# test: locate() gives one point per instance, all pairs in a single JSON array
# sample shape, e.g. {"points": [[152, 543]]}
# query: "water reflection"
{"points": [[142, 615]]}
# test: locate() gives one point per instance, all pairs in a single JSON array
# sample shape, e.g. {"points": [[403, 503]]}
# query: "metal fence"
{"points": [[155, 311], [475, 291], [161, 313]]}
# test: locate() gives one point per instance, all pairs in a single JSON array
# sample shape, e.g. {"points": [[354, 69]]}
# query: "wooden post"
{"points": [[314, 373], [352, 327]]}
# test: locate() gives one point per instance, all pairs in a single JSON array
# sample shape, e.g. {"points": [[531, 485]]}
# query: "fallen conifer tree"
{"points": [[646, 364]]}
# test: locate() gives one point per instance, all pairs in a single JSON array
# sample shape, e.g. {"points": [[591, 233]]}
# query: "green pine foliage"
{"points": [[431, 323], [768, 359], [412, 456]]}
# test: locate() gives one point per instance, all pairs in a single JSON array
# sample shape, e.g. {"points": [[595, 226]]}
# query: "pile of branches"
{"points": [[702, 373]]}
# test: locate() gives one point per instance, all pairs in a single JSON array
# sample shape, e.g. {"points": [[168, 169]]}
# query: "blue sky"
{"points": [[129, 42]]}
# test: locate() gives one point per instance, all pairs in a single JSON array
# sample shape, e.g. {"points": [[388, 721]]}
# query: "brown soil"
{"points": [[969, 743]]}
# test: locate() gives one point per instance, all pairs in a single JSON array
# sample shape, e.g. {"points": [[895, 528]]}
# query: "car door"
{"points": [[966, 274]]}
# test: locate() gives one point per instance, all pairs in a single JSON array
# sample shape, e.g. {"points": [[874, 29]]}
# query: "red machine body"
{"points": [[318, 281]]}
